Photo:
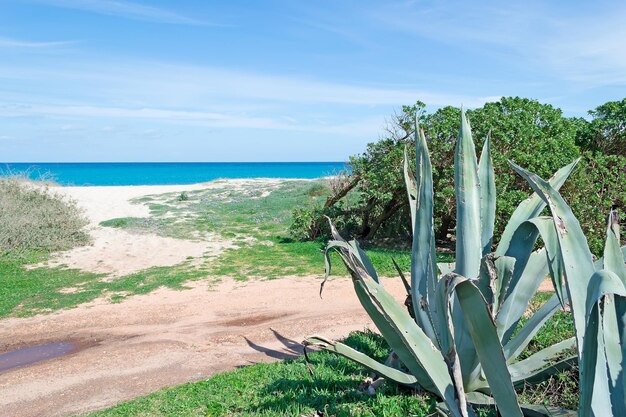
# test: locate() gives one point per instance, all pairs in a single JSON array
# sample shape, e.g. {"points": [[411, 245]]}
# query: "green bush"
{"points": [[32, 218], [597, 184], [530, 133]]}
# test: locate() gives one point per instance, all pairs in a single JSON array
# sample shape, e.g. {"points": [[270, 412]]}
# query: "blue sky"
{"points": [[117, 80]]}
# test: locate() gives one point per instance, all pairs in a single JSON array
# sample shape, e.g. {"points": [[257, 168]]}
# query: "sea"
{"points": [[163, 173]]}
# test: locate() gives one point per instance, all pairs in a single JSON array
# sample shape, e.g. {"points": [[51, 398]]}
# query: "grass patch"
{"points": [[25, 292], [257, 218], [285, 389]]}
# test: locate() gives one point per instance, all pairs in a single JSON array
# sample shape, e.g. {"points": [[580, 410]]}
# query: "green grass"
{"points": [[287, 389], [258, 224], [26, 291]]}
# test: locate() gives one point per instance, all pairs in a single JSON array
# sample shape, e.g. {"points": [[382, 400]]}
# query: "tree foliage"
{"points": [[534, 135]]}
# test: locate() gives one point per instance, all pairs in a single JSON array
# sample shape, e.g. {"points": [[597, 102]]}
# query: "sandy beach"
{"points": [[117, 252], [167, 337]]}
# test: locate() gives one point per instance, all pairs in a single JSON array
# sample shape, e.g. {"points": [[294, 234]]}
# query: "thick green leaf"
{"points": [[596, 391], [613, 259], [521, 291], [411, 187], [468, 238], [505, 265], [414, 340], [445, 267], [441, 307], [467, 189], [524, 369], [516, 345], [389, 332], [423, 260], [532, 410], [575, 254], [530, 208], [362, 359], [487, 180], [542, 375], [485, 337]]}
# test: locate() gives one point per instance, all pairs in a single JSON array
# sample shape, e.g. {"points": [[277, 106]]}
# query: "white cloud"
{"points": [[20, 43], [128, 10], [583, 43], [144, 83]]}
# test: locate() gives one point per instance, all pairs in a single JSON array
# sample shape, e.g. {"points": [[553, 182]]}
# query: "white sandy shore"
{"points": [[117, 252]]}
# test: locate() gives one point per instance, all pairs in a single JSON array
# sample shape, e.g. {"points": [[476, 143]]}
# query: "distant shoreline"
{"points": [[166, 173]]}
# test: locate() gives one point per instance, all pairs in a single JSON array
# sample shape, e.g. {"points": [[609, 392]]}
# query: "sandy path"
{"points": [[169, 337]]}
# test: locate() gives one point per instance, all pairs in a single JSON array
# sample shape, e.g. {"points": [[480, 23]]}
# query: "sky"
{"points": [[117, 80]]}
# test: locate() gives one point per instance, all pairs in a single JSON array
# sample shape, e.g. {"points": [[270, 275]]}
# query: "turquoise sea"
{"points": [[160, 173]]}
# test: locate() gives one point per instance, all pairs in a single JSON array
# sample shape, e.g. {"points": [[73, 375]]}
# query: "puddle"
{"points": [[32, 354]]}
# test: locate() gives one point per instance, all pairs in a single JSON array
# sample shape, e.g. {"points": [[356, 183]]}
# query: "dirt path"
{"points": [[167, 338]]}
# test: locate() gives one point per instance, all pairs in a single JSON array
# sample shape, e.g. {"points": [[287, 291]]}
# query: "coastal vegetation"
{"points": [[33, 218], [533, 348], [369, 203]]}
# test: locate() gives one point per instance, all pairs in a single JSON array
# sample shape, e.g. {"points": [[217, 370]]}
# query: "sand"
{"points": [[168, 337], [117, 252]]}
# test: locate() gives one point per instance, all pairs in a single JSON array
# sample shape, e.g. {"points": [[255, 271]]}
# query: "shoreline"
{"points": [[191, 184]]}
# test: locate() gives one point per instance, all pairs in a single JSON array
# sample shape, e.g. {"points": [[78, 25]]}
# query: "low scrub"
{"points": [[33, 218]]}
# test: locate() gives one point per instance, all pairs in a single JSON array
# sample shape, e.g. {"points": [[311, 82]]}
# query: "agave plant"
{"points": [[463, 339], [597, 294]]}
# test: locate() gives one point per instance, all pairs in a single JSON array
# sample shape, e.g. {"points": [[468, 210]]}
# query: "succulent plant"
{"points": [[463, 340], [597, 295]]}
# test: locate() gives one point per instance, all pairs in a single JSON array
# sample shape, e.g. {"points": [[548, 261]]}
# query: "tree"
{"points": [[534, 135], [606, 132]]}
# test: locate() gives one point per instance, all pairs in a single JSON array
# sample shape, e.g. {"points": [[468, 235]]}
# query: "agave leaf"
{"points": [[599, 263], [390, 333], [365, 260], [467, 188], [613, 315], [445, 267], [406, 284], [531, 207], [414, 348], [596, 390], [483, 331], [532, 410], [394, 339], [487, 180], [423, 260], [613, 352], [345, 255], [411, 186], [505, 265], [346, 351], [487, 279], [468, 238], [516, 345], [524, 369], [577, 259], [441, 307], [521, 291], [613, 259], [545, 226], [414, 340]]}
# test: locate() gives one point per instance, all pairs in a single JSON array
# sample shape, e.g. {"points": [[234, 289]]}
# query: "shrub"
{"points": [[535, 135], [595, 186], [34, 218]]}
